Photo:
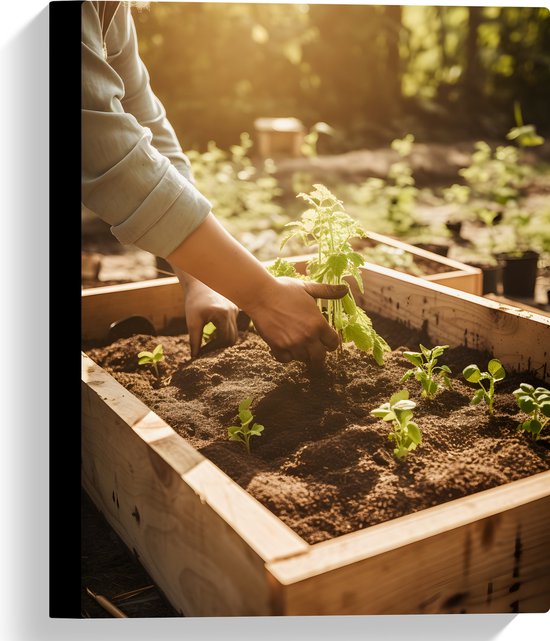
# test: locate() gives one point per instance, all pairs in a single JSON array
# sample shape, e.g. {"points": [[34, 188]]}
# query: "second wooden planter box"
{"points": [[215, 551]]}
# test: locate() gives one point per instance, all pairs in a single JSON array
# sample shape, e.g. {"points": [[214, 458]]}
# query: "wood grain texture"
{"points": [[159, 300], [520, 339], [484, 553], [202, 538]]}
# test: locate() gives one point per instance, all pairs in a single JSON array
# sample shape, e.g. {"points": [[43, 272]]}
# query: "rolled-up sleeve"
{"points": [[126, 180]]}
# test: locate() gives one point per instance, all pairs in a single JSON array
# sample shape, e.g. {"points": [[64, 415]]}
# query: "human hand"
{"points": [[286, 316], [204, 305]]}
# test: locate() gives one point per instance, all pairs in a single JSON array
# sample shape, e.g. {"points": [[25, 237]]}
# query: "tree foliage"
{"points": [[372, 72]]}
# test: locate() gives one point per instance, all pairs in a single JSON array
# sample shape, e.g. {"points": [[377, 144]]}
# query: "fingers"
{"points": [[195, 327], [320, 290], [227, 332], [281, 355], [329, 338]]}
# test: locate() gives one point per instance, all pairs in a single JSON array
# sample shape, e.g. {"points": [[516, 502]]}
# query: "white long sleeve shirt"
{"points": [[134, 173]]}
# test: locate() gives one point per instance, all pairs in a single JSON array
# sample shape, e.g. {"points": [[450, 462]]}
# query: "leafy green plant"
{"points": [[426, 370], [535, 403], [388, 205], [327, 226], [524, 135], [152, 358], [243, 196], [281, 267], [244, 432], [495, 373], [406, 433]]}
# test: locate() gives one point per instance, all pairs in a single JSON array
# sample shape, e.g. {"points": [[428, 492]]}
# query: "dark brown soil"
{"points": [[324, 465]]}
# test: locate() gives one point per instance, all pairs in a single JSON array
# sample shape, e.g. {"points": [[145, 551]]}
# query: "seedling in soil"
{"points": [[243, 432], [152, 358], [495, 373], [535, 403], [327, 226], [427, 371], [208, 333], [406, 434]]}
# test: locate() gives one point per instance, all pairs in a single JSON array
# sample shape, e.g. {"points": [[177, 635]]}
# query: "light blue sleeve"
{"points": [[126, 180]]}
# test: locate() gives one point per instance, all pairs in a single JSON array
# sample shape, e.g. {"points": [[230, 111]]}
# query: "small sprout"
{"points": [[208, 333], [425, 369], [535, 403], [406, 434], [243, 432], [152, 358], [495, 373]]}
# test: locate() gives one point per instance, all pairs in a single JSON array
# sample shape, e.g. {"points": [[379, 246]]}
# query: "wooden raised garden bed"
{"points": [[216, 551], [435, 268]]}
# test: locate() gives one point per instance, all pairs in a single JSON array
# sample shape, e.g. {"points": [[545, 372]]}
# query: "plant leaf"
{"points": [[425, 351], [398, 396], [404, 404], [158, 350], [414, 357], [148, 354], [256, 429], [245, 417], [478, 397], [414, 433], [472, 373], [526, 404], [245, 404], [527, 388], [496, 370]]}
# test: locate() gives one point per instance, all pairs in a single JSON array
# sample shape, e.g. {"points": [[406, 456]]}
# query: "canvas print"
{"points": [[315, 309]]}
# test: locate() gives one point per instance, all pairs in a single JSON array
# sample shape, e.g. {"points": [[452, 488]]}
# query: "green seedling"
{"points": [[208, 333], [152, 358], [524, 135], [535, 403], [328, 227], [427, 371], [406, 434], [495, 373], [243, 432]]}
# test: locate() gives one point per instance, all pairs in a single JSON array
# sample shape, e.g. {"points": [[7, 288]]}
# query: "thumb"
{"points": [[321, 290]]}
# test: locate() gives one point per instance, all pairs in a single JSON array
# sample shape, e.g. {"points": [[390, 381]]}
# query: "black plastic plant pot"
{"points": [[519, 273], [492, 277]]}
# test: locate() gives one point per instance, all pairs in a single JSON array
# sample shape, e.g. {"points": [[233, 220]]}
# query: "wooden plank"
{"points": [[201, 537], [453, 265], [520, 339], [159, 300], [457, 275], [487, 552], [465, 282]]}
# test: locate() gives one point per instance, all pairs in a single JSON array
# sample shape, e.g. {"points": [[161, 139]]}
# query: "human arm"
{"points": [[283, 310]]}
